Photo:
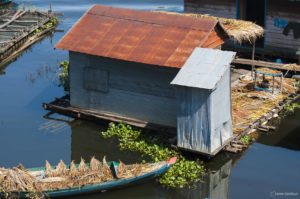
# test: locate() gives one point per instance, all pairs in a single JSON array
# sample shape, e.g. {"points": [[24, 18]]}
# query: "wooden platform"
{"points": [[62, 106]]}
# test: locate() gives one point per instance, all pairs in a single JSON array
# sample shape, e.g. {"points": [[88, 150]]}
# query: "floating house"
{"points": [[122, 63], [279, 18]]}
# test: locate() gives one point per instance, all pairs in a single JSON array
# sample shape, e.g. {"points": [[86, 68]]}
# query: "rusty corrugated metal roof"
{"points": [[140, 36]]}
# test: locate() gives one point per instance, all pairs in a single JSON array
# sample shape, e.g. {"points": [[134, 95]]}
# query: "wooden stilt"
{"points": [[253, 58]]}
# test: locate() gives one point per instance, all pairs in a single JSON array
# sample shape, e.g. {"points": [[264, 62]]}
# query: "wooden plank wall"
{"points": [[283, 25], [134, 90], [219, 8]]}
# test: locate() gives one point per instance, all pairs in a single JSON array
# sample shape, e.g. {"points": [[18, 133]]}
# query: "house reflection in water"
{"points": [[213, 185], [87, 142]]}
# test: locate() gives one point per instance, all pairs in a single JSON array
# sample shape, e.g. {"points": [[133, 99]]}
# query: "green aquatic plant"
{"points": [[246, 139], [184, 172], [51, 23], [64, 75], [290, 108], [36, 31]]}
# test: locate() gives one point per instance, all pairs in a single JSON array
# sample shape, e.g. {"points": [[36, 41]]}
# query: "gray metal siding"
{"points": [[134, 90], [193, 124], [79, 96], [221, 122], [204, 116]]}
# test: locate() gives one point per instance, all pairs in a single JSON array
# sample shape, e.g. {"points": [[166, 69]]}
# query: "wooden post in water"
{"points": [[281, 82], [273, 88]]}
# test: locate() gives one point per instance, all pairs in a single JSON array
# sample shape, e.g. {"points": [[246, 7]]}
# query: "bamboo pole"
{"points": [[253, 57]]}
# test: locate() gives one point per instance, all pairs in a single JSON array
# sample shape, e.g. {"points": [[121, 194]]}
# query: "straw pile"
{"points": [[17, 180], [239, 30], [128, 171], [248, 105], [75, 176]]}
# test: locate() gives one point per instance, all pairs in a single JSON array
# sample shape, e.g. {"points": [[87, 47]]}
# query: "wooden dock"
{"points": [[20, 29]]}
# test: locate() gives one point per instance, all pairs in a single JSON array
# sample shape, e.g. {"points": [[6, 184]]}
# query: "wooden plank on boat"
{"points": [[17, 15], [6, 36], [24, 21], [16, 26], [12, 30]]}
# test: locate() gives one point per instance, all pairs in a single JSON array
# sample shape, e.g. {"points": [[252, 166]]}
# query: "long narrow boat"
{"points": [[118, 180]]}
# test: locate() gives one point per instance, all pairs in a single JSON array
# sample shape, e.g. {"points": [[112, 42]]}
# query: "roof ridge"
{"points": [[104, 14]]}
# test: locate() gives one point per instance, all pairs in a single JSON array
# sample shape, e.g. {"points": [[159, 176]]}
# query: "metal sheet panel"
{"points": [[204, 68], [204, 121], [139, 36]]}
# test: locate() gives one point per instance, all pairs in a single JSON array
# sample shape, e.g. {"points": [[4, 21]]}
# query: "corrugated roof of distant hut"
{"points": [[239, 30], [141, 36]]}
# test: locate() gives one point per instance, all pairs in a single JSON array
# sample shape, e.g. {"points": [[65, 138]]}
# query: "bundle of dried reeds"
{"points": [[16, 180], [83, 174]]}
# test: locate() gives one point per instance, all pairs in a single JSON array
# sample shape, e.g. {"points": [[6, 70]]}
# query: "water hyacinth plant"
{"points": [[183, 173], [290, 108], [64, 74]]}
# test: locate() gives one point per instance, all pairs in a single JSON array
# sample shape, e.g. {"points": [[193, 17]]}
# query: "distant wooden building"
{"points": [[279, 18], [122, 63]]}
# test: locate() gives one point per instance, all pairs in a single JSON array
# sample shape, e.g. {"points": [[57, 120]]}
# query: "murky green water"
{"points": [[271, 164]]}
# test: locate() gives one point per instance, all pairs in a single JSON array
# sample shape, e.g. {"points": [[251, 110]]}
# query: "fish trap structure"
{"points": [[19, 29]]}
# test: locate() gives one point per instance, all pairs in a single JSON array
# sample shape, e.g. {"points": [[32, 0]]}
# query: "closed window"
{"points": [[95, 79]]}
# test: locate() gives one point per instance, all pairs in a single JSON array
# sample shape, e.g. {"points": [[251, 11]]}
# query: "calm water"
{"points": [[27, 137]]}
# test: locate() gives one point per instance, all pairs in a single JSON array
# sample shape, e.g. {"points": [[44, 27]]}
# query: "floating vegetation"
{"points": [[182, 173], [246, 139], [290, 108], [64, 75], [50, 24]]}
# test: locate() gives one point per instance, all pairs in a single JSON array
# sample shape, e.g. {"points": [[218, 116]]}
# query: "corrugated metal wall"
{"points": [[193, 123], [134, 90], [221, 112], [204, 116]]}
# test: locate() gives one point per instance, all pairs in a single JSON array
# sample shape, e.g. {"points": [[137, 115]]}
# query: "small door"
{"points": [[255, 11]]}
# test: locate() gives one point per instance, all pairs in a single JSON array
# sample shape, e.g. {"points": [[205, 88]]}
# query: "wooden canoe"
{"points": [[116, 183]]}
